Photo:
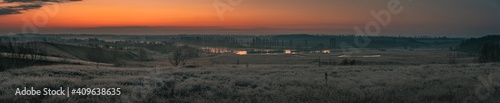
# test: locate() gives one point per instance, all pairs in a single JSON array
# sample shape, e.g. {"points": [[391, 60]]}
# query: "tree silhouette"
{"points": [[490, 52], [181, 54]]}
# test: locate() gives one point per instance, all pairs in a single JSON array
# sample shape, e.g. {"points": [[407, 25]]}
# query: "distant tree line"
{"points": [[222, 41], [475, 45], [486, 48], [490, 52]]}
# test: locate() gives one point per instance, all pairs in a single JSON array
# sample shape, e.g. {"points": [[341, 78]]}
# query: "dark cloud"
{"points": [[4, 11], [16, 6], [29, 1]]}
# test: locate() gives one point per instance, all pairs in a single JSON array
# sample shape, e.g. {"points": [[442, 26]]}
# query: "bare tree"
{"points": [[177, 58], [181, 54]]}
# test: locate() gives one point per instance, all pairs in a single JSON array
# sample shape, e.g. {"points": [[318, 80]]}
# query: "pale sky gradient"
{"points": [[420, 17]]}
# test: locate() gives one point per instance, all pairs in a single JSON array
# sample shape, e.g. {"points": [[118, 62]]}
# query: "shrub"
{"points": [[181, 54], [349, 62]]}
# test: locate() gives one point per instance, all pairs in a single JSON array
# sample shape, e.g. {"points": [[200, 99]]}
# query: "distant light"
{"points": [[326, 51], [242, 52], [215, 50], [288, 51]]}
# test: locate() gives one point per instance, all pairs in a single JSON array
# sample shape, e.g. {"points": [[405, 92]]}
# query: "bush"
{"points": [[182, 54], [349, 62]]}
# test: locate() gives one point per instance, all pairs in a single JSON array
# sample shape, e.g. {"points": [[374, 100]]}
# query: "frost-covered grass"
{"points": [[258, 83]]}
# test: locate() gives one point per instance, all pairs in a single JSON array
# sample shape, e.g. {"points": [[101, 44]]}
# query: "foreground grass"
{"points": [[260, 83]]}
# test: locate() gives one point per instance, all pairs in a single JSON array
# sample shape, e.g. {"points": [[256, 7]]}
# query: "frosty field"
{"points": [[262, 83]]}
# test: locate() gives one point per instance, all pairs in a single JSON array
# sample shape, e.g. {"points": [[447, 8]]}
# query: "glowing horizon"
{"points": [[254, 16]]}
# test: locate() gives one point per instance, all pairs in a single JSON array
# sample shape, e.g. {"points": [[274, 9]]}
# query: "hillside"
{"points": [[474, 45], [78, 52]]}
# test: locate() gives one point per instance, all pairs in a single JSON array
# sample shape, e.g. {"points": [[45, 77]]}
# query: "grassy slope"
{"points": [[258, 83], [82, 53]]}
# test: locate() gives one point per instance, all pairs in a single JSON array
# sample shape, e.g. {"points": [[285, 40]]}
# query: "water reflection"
{"points": [[242, 52], [215, 50], [321, 51], [326, 51], [360, 56]]}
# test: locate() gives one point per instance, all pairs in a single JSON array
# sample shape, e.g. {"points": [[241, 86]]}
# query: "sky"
{"points": [[419, 17]]}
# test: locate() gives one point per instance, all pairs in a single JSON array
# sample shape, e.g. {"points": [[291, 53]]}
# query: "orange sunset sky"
{"points": [[420, 17]]}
